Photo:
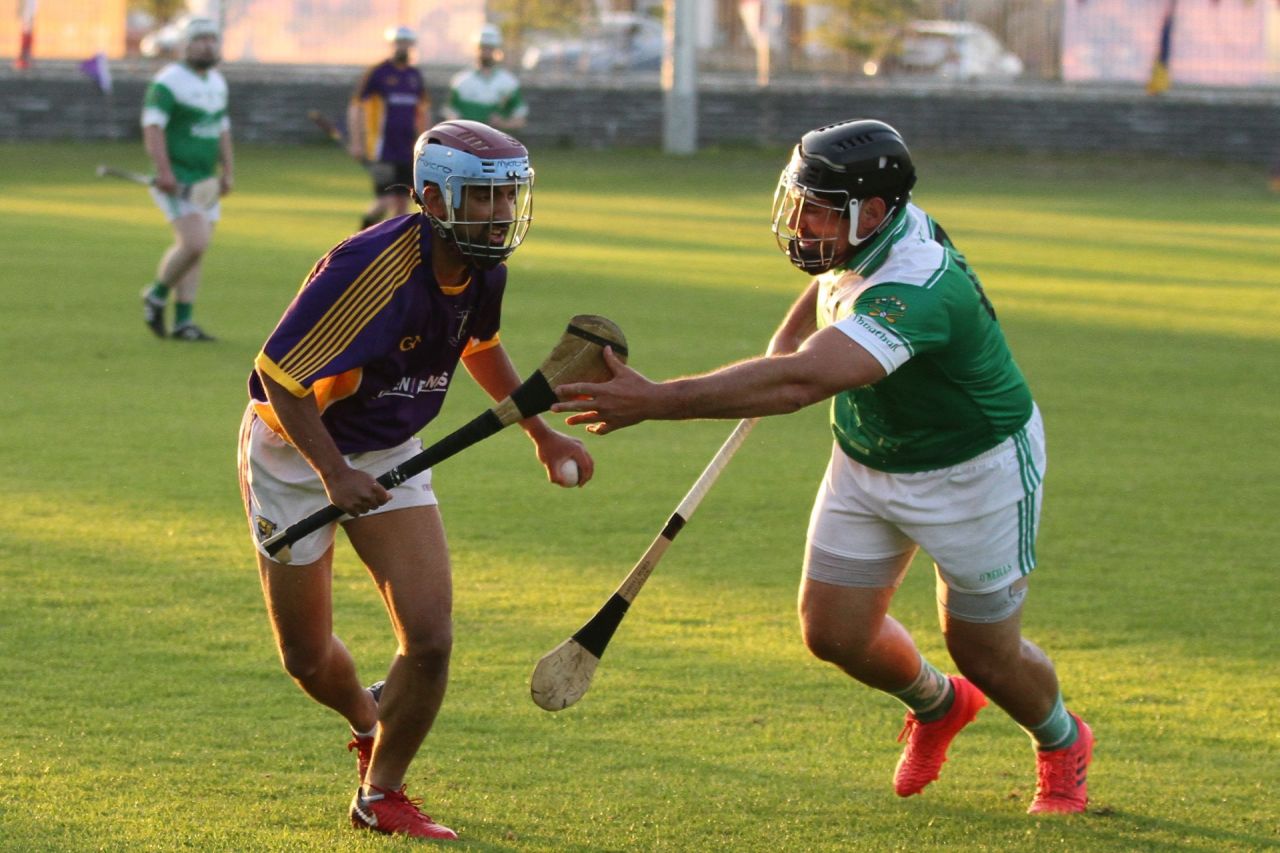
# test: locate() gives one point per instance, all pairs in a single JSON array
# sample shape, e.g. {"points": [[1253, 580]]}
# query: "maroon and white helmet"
{"points": [[486, 182]]}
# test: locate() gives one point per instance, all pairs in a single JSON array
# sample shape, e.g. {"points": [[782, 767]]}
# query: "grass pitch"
{"points": [[145, 708]]}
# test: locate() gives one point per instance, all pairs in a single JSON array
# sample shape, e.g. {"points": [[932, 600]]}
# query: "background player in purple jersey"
{"points": [[358, 364], [389, 109]]}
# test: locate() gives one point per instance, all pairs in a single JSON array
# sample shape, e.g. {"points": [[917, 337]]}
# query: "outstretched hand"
{"points": [[604, 407]]}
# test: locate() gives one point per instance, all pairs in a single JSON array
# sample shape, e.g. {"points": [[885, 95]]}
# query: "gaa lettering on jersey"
{"points": [[410, 342], [887, 308], [265, 527], [412, 386]]}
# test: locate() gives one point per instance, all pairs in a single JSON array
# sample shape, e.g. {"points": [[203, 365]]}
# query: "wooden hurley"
{"points": [[564, 674], [578, 357]]}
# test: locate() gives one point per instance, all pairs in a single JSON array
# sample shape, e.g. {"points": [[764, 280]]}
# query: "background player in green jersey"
{"points": [[488, 92], [938, 446], [187, 135]]}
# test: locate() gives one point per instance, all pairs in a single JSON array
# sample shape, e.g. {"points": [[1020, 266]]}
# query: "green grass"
{"points": [[145, 707]]}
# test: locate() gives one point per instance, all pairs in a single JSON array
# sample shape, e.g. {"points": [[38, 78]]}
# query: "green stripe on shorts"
{"points": [[1031, 479]]}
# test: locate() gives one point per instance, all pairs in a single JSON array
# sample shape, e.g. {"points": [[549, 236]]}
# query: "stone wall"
{"points": [[269, 105]]}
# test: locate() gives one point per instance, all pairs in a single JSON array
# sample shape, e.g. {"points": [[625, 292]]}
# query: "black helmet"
{"points": [[863, 157], [832, 171]]}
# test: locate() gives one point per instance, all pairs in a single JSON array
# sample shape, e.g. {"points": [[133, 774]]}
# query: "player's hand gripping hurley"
{"points": [[578, 357], [329, 129], [564, 674], [104, 171]]}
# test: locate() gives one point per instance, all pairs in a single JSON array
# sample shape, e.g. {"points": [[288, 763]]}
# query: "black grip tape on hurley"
{"points": [[596, 634], [534, 396], [478, 428], [620, 349]]}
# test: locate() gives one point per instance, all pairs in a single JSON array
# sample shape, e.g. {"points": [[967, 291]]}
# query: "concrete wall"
{"points": [[269, 105]]}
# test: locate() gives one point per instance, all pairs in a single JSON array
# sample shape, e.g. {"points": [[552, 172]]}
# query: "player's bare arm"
{"points": [[355, 129], [801, 322], [226, 158], [493, 370], [422, 117], [827, 363], [352, 491], [157, 149]]}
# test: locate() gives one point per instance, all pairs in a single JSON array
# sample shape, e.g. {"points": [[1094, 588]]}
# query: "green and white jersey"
{"points": [[478, 93], [953, 389], [192, 109]]}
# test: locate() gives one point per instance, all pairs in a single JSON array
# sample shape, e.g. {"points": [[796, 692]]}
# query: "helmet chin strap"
{"points": [[855, 207]]}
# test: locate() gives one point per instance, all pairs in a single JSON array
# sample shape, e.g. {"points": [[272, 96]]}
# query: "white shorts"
{"points": [[202, 197], [978, 520], [279, 487]]}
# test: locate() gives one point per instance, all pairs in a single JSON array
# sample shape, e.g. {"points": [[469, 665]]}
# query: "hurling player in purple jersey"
{"points": [[358, 364], [389, 109]]}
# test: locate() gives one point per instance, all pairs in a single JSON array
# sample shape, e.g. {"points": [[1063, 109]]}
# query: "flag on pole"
{"points": [[27, 12], [97, 70], [1159, 81]]}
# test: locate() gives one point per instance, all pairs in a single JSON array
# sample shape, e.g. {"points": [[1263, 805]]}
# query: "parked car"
{"points": [[164, 42], [619, 41], [956, 50]]}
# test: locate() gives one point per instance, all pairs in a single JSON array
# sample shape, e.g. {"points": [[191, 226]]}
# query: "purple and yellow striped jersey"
{"points": [[376, 338], [395, 105]]}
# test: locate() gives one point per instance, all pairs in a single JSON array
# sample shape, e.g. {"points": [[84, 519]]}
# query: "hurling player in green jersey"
{"points": [[938, 446], [187, 135], [488, 92]]}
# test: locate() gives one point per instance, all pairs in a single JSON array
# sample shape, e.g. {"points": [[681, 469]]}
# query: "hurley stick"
{"points": [[564, 674], [578, 357]]}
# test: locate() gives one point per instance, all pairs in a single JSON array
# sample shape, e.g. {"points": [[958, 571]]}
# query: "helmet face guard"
{"points": [[820, 193], [488, 201], [815, 228]]}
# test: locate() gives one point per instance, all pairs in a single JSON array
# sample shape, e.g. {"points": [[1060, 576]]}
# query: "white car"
{"points": [[956, 50], [618, 41]]}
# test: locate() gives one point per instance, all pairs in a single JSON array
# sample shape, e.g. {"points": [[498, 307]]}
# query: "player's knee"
{"points": [[303, 661], [832, 642], [195, 247], [822, 645], [428, 647], [981, 638]]}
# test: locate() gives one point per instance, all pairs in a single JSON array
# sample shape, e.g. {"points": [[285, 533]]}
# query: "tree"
{"points": [[160, 10], [863, 29], [519, 16]]}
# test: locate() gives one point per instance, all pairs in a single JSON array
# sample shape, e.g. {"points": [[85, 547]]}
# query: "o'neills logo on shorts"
{"points": [[265, 527], [995, 573]]}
